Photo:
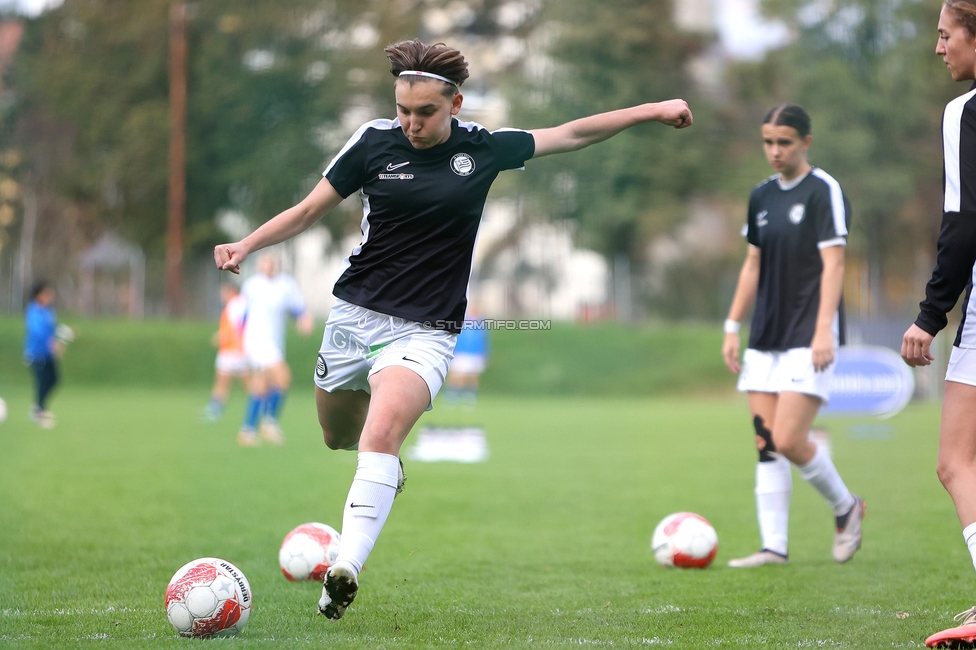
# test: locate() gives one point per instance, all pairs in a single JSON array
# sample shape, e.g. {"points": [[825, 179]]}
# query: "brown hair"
{"points": [[964, 11], [791, 115], [436, 59]]}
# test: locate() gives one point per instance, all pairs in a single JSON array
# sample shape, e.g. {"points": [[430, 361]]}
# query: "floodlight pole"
{"points": [[177, 159]]}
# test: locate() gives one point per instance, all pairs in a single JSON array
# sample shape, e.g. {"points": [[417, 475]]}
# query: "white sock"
{"points": [[367, 507], [774, 487], [822, 475], [969, 534]]}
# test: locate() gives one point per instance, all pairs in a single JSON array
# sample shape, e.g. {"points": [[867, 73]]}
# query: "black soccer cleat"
{"points": [[339, 589]]}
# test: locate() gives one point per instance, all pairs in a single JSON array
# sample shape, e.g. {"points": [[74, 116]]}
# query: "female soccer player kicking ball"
{"points": [[794, 270], [954, 271], [423, 179]]}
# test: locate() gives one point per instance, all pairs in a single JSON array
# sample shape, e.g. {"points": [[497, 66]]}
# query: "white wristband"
{"points": [[731, 326]]}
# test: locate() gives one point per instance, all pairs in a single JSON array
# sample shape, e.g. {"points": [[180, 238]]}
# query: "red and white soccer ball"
{"points": [[308, 551], [685, 540], [208, 597]]}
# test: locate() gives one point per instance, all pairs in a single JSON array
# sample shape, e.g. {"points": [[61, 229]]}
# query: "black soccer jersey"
{"points": [[791, 223], [421, 211], [955, 266]]}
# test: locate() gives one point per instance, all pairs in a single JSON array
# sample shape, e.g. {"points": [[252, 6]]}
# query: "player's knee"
{"points": [[764, 440], [791, 449], [946, 469], [339, 437], [382, 432], [331, 440]]}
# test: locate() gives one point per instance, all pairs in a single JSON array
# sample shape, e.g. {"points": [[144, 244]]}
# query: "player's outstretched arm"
{"points": [[285, 225], [585, 131]]}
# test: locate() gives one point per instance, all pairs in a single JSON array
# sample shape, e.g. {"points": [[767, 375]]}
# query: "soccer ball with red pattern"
{"points": [[208, 597], [308, 551], [685, 540]]}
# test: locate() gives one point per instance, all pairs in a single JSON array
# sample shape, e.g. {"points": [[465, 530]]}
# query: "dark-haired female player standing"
{"points": [[423, 179], [954, 272], [794, 270]]}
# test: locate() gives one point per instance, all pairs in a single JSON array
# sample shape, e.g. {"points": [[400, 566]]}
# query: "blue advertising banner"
{"points": [[870, 380]]}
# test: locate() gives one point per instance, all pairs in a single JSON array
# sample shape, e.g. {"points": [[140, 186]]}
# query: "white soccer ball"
{"points": [[208, 597], [685, 540], [308, 551], [64, 333], [3, 411]]}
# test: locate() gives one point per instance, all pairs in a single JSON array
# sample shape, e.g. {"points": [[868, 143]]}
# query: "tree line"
{"points": [[275, 86]]}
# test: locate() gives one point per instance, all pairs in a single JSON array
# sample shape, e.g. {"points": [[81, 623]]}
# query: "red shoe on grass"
{"points": [[961, 636]]}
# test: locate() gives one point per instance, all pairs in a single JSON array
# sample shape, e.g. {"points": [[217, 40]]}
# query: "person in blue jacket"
{"points": [[42, 349], [470, 358]]}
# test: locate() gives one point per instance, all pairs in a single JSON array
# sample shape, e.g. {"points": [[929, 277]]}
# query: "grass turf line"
{"points": [[546, 544]]}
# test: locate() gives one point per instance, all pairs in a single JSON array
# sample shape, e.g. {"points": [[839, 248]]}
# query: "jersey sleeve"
{"points": [[751, 230], [512, 147], [831, 212], [347, 171], [953, 270]]}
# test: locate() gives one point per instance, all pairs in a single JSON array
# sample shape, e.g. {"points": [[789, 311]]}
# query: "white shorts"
{"points": [[466, 363], [962, 366], [792, 371], [231, 363], [359, 342], [262, 354]]}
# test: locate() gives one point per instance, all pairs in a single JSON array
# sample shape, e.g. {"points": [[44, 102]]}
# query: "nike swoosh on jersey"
{"points": [[391, 166]]}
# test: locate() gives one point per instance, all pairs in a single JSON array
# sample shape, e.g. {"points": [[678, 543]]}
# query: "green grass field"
{"points": [[544, 545], [601, 359]]}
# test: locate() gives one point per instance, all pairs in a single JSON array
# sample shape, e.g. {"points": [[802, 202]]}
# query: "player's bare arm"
{"points": [[831, 285], [285, 225], [585, 131], [745, 295]]}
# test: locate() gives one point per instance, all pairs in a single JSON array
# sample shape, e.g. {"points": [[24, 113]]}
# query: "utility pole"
{"points": [[177, 159]]}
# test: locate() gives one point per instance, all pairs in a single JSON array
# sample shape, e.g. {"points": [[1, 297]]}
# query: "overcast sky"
{"points": [[30, 7], [742, 30]]}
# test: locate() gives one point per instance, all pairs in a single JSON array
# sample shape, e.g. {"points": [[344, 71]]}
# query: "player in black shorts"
{"points": [[954, 272], [422, 179], [794, 271]]}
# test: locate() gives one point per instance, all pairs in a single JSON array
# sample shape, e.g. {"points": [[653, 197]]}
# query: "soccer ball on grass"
{"points": [[308, 551], [685, 540], [208, 597]]}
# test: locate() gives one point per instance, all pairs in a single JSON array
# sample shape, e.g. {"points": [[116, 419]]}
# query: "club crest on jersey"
{"points": [[462, 164], [797, 212], [761, 218]]}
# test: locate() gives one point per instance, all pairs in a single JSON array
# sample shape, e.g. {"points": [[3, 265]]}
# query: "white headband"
{"points": [[430, 75]]}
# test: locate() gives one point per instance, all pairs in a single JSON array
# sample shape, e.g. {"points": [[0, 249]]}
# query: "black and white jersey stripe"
{"points": [[959, 156], [955, 268], [838, 209]]}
